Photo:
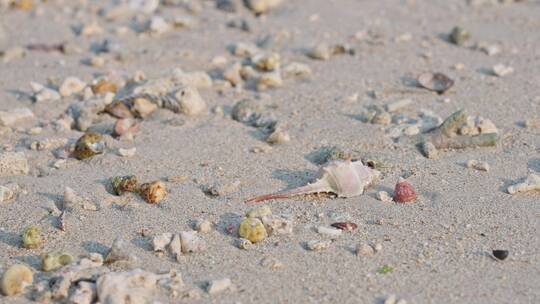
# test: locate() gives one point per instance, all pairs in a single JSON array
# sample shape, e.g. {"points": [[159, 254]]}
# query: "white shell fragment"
{"points": [[218, 286], [478, 165], [329, 232], [71, 85], [344, 178], [190, 101], [532, 183], [191, 242], [501, 70], [160, 242], [317, 245]]}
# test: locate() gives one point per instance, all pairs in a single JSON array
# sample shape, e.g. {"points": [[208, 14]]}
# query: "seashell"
{"points": [[344, 178], [54, 260], [500, 254], [259, 212], [347, 226], [160, 242], [142, 107], [31, 237], [189, 102], [15, 279], [104, 86], [404, 191], [119, 109], [191, 242], [437, 82], [252, 229], [89, 145], [70, 86], [459, 35], [153, 192], [121, 184], [262, 6], [125, 126]]}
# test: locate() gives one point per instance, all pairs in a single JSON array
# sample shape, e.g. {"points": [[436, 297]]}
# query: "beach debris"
{"points": [[15, 279], [244, 244], [58, 286], [477, 165], [153, 192], [84, 293], [329, 231], [136, 286], [218, 286], [275, 224], [531, 183], [53, 260], [13, 163], [345, 226], [104, 86], [175, 247], [127, 152], [266, 62], [278, 137], [62, 222], [12, 53], [446, 135], [259, 212], [203, 226], [15, 116], [160, 241], [192, 242], [296, 69], [404, 192], [71, 85], [222, 189], [262, 6], [344, 178], [501, 70], [125, 127], [383, 196], [252, 229], [120, 252], [31, 237], [437, 82], [43, 93], [500, 254], [385, 269], [459, 35], [6, 194], [317, 245], [363, 250], [272, 263], [88, 145]]}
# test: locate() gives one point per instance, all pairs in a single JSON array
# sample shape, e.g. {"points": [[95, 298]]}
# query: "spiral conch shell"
{"points": [[345, 178]]}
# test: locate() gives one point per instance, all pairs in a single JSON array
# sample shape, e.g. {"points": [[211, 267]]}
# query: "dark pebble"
{"points": [[500, 254]]}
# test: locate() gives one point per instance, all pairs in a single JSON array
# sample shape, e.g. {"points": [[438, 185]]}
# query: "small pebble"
{"points": [[218, 286], [71, 85], [502, 70], [127, 152], [328, 231], [384, 196], [203, 226], [278, 137], [478, 165], [364, 250], [500, 254], [317, 245], [272, 263], [160, 241]]}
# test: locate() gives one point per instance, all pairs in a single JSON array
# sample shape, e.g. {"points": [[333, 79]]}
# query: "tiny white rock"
{"points": [[502, 70], [218, 286], [478, 165], [71, 85], [127, 152]]}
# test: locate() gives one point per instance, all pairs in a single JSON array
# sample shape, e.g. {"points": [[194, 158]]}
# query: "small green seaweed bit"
{"points": [[385, 269]]}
